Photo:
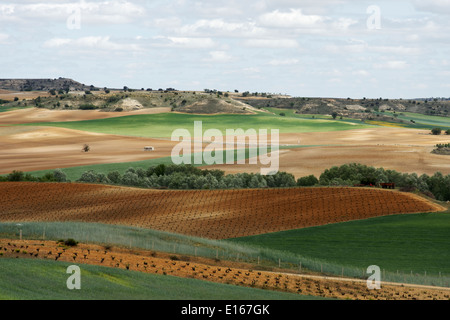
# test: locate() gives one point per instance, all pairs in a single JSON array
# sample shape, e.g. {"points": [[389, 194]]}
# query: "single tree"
{"points": [[436, 131]]}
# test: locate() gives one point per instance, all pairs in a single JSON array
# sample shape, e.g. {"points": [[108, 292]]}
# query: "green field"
{"points": [[12, 108], [162, 125], [290, 113], [421, 121], [26, 279], [404, 243], [74, 173], [425, 121]]}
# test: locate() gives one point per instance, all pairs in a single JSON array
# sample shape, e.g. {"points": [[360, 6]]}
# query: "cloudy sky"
{"points": [[326, 48]]}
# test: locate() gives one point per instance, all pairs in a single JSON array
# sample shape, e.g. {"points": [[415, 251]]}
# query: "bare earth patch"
{"points": [[403, 150], [32, 115], [400, 149], [41, 148]]}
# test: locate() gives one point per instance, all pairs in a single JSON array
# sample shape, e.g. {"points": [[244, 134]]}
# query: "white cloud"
{"points": [[292, 19], [184, 42], [435, 6], [112, 11], [221, 28], [219, 56], [4, 38], [101, 43], [363, 73], [344, 23], [396, 64], [283, 62], [271, 43], [356, 46]]}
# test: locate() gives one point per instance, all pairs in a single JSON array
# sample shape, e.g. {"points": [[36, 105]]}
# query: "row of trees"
{"points": [[56, 176], [437, 185], [188, 177], [438, 131]]}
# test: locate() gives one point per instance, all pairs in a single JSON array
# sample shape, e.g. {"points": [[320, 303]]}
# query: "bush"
{"points": [[87, 106], [92, 177], [436, 131], [59, 176], [113, 99], [308, 181], [71, 243], [16, 176], [48, 177], [114, 177]]}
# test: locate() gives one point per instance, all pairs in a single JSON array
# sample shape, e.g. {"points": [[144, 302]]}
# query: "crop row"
{"points": [[214, 214], [184, 266]]}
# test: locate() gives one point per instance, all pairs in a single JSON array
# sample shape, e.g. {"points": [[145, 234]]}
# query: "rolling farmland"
{"points": [[171, 265], [213, 214]]}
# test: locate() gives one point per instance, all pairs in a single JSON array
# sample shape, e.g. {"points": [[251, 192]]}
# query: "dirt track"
{"points": [[213, 214], [215, 271]]}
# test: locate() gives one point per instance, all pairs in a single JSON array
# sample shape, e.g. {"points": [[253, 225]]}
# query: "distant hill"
{"points": [[354, 108], [132, 100], [64, 84]]}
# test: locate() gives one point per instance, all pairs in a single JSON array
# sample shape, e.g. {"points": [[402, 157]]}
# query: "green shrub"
{"points": [[59, 175], [87, 106], [436, 131], [308, 181], [71, 242]]}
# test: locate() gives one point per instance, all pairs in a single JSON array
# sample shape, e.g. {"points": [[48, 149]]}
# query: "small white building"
{"points": [[149, 148]]}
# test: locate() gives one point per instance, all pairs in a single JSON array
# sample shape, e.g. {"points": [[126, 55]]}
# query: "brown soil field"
{"points": [[35, 115], [41, 148], [216, 271], [27, 95], [213, 214], [403, 150]]}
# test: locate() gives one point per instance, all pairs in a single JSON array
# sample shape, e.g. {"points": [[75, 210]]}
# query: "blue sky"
{"points": [[314, 48]]}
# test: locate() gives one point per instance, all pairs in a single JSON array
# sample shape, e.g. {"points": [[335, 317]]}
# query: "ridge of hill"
{"points": [[64, 84], [132, 100], [364, 109]]}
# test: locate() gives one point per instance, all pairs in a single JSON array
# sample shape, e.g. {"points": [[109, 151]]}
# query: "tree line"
{"points": [[436, 186], [190, 177]]}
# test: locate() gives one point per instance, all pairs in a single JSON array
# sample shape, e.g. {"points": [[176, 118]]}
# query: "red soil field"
{"points": [[215, 271], [213, 214]]}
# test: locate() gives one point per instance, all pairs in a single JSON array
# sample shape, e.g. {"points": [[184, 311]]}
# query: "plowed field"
{"points": [[215, 271], [214, 214]]}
